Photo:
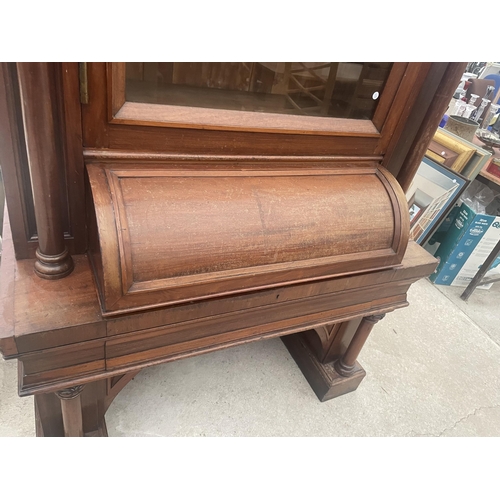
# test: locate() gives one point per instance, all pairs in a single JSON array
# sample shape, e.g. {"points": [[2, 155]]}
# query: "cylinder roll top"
{"points": [[172, 233]]}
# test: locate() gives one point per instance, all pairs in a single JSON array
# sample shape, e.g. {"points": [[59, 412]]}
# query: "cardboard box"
{"points": [[463, 250]]}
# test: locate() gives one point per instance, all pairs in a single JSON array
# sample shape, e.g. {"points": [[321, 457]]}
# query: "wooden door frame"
{"points": [[114, 124], [121, 111]]}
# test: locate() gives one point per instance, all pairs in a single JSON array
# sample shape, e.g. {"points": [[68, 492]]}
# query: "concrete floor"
{"points": [[433, 369]]}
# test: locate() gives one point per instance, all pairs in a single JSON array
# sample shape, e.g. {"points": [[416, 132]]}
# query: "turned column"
{"points": [[38, 102], [71, 409], [345, 364]]}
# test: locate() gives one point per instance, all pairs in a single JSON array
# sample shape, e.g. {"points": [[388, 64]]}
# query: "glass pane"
{"points": [[343, 90]]}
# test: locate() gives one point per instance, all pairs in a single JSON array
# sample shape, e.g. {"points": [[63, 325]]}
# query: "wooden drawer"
{"points": [[272, 320], [69, 362]]}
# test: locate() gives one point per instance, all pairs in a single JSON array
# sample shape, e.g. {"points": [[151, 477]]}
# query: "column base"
{"points": [[53, 267], [322, 377]]}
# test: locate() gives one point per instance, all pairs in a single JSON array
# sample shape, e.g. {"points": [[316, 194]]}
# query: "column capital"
{"points": [[374, 318], [70, 392]]}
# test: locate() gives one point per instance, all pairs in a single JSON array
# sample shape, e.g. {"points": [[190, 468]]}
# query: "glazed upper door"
{"points": [[265, 109], [340, 90]]}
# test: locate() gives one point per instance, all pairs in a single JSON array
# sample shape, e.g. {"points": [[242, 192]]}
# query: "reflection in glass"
{"points": [[343, 90]]}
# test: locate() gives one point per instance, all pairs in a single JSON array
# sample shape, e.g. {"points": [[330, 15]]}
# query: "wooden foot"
{"points": [[326, 382], [102, 430]]}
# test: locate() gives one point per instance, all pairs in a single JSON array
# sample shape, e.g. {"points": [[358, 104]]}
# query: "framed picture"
{"points": [[450, 150], [431, 195], [492, 171], [477, 162]]}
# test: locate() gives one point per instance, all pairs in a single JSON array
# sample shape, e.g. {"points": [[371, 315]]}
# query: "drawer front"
{"points": [[62, 363], [274, 320]]}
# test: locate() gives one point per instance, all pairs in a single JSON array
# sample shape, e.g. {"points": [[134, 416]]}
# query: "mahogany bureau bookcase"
{"points": [[162, 210]]}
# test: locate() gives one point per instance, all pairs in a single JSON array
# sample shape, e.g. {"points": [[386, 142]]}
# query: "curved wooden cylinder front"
{"points": [[165, 234]]}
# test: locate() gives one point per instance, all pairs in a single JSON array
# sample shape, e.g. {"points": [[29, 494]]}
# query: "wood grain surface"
{"points": [[66, 340], [169, 235], [206, 229]]}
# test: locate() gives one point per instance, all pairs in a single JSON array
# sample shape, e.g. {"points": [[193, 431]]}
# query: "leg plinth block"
{"points": [[324, 379]]}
